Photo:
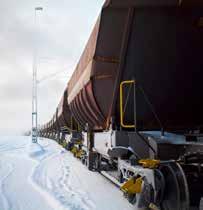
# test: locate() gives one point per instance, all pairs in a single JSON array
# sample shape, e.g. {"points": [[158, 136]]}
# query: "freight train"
{"points": [[133, 108]]}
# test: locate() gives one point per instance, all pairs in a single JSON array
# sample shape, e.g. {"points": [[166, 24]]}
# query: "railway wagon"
{"points": [[136, 93], [53, 127], [158, 45], [50, 128], [45, 131], [138, 86], [66, 123]]}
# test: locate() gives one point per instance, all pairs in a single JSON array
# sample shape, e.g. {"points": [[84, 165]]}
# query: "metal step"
{"points": [[111, 178]]}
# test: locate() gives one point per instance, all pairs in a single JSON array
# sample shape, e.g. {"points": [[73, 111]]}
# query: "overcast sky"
{"points": [[63, 29]]}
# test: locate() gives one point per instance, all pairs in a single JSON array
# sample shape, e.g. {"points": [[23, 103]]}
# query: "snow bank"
{"points": [[44, 176]]}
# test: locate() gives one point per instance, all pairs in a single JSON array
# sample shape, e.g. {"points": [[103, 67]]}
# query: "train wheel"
{"points": [[176, 193], [98, 162], [90, 161]]}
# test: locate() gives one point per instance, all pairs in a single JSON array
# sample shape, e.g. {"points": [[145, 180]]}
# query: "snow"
{"points": [[44, 176]]}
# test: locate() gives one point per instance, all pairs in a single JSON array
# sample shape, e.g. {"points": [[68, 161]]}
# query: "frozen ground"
{"points": [[46, 177]]}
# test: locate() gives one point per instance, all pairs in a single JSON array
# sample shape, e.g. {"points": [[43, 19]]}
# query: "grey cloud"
{"points": [[64, 29]]}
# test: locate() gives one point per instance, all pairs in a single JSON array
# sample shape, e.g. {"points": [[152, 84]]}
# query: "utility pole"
{"points": [[34, 88]]}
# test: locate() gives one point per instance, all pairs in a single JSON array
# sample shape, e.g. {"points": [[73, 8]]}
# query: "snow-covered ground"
{"points": [[46, 177]]}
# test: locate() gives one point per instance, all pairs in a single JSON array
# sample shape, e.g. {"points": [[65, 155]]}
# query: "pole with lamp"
{"points": [[34, 89]]}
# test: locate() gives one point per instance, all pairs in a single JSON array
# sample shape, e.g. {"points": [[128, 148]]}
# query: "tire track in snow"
{"points": [[58, 185], [66, 183], [79, 199], [6, 173], [51, 180]]}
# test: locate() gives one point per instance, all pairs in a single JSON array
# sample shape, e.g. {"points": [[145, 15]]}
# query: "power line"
{"points": [[53, 75]]}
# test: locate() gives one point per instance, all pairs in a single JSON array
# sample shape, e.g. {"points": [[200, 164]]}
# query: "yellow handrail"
{"points": [[121, 104]]}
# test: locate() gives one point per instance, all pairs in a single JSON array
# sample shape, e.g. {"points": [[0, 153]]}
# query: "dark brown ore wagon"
{"points": [[63, 113], [156, 43]]}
